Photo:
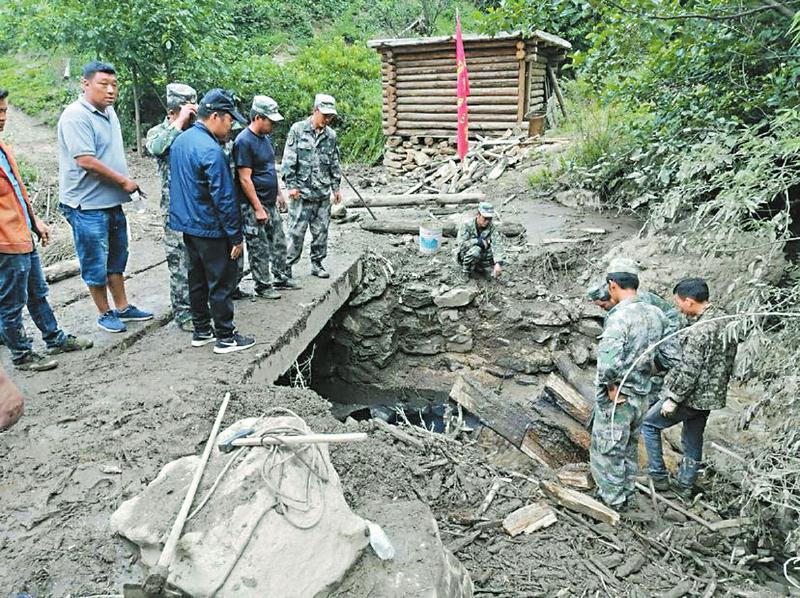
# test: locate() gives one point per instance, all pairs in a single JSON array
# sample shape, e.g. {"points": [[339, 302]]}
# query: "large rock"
{"points": [[416, 296], [251, 540], [455, 297], [422, 566]]}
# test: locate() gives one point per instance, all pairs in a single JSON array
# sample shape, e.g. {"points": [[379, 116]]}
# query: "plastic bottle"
{"points": [[380, 541], [137, 202]]}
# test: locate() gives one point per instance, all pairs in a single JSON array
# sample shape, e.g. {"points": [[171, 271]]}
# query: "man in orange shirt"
{"points": [[22, 279]]}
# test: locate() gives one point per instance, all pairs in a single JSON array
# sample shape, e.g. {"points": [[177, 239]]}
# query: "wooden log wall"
{"points": [[419, 87]]}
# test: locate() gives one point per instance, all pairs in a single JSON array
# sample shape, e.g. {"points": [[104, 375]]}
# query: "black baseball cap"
{"points": [[220, 100]]}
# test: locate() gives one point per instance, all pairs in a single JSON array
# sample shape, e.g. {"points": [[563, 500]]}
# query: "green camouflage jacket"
{"points": [[159, 140], [468, 236], [311, 161], [676, 319], [700, 379], [631, 327]]}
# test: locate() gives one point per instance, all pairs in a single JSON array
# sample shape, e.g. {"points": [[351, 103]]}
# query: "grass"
{"points": [[34, 84]]}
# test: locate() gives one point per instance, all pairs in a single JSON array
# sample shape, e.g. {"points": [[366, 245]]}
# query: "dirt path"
{"points": [[102, 425]]}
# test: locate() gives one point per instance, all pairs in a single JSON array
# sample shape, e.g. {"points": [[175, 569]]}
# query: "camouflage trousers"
{"points": [[177, 263], [475, 259], [614, 451], [304, 214], [266, 246]]}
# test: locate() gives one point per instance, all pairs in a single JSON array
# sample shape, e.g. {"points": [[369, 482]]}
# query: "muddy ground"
{"points": [[101, 426]]}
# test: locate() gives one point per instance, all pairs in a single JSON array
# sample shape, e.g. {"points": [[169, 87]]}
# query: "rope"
{"points": [[788, 577], [272, 475], [652, 347]]}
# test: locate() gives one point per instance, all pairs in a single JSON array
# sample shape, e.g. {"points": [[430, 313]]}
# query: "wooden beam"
{"points": [[576, 475], [505, 84], [580, 503], [447, 107], [393, 199], [557, 89], [449, 229], [450, 101], [569, 399], [450, 91], [506, 119], [472, 62], [496, 125], [450, 75], [448, 66], [578, 378], [521, 97], [528, 519], [508, 420]]}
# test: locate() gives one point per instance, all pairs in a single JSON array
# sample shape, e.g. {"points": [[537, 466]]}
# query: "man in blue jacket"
{"points": [[203, 207]]}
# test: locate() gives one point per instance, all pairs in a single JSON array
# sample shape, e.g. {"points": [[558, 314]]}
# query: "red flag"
{"points": [[462, 92]]}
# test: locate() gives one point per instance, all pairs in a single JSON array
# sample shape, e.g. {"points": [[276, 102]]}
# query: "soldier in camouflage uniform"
{"points": [[259, 197], [311, 172], [695, 386], [599, 294], [631, 327], [479, 246], [182, 110]]}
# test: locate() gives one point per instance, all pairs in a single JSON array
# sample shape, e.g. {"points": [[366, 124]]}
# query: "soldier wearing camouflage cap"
{"points": [[631, 327], [181, 113], [312, 174], [260, 198], [479, 247]]}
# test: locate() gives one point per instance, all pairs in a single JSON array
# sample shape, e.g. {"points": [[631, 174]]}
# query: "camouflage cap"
{"points": [[179, 94], [598, 291], [623, 264], [325, 103], [266, 106], [486, 209]]}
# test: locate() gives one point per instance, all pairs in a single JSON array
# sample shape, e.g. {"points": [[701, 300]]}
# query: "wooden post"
{"points": [[557, 89], [137, 114]]}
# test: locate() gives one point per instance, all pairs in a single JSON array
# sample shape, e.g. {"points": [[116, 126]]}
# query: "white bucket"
{"points": [[430, 238]]}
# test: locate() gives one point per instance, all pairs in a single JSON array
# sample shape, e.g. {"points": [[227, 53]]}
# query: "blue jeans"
{"points": [[694, 423], [101, 242], [22, 283]]}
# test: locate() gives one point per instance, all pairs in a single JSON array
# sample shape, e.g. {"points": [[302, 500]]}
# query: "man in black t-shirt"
{"points": [[260, 198]]}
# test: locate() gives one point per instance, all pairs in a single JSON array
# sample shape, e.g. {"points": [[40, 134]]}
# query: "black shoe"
{"points": [[202, 338], [240, 294], [660, 484], [680, 490], [237, 342]]}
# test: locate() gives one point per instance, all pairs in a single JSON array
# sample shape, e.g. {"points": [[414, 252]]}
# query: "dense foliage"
{"points": [[290, 51]]}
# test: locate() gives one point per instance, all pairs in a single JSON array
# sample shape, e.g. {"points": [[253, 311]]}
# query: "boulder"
{"points": [[272, 527], [546, 313], [455, 297], [422, 566]]}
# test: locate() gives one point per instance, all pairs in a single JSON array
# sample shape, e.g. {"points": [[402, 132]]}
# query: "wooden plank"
{"points": [[450, 101], [449, 61], [451, 76], [576, 475], [450, 109], [521, 98], [62, 270], [580, 503], [474, 126], [508, 119], [448, 66], [450, 91], [449, 229], [508, 420], [569, 399], [529, 518], [504, 84], [572, 430], [400, 199], [579, 379]]}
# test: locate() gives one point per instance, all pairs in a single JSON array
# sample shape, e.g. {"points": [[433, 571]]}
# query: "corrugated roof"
{"points": [[548, 38]]}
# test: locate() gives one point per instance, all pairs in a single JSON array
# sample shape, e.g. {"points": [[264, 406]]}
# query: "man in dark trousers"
{"points": [[204, 209], [260, 197], [695, 386]]}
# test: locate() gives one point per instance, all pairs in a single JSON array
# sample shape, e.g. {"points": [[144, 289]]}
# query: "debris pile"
{"points": [[436, 168]]}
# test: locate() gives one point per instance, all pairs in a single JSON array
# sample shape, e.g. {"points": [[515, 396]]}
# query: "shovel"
{"points": [[155, 584]]}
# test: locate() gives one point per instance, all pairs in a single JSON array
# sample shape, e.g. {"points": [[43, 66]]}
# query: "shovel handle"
{"points": [[301, 439], [169, 547]]}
